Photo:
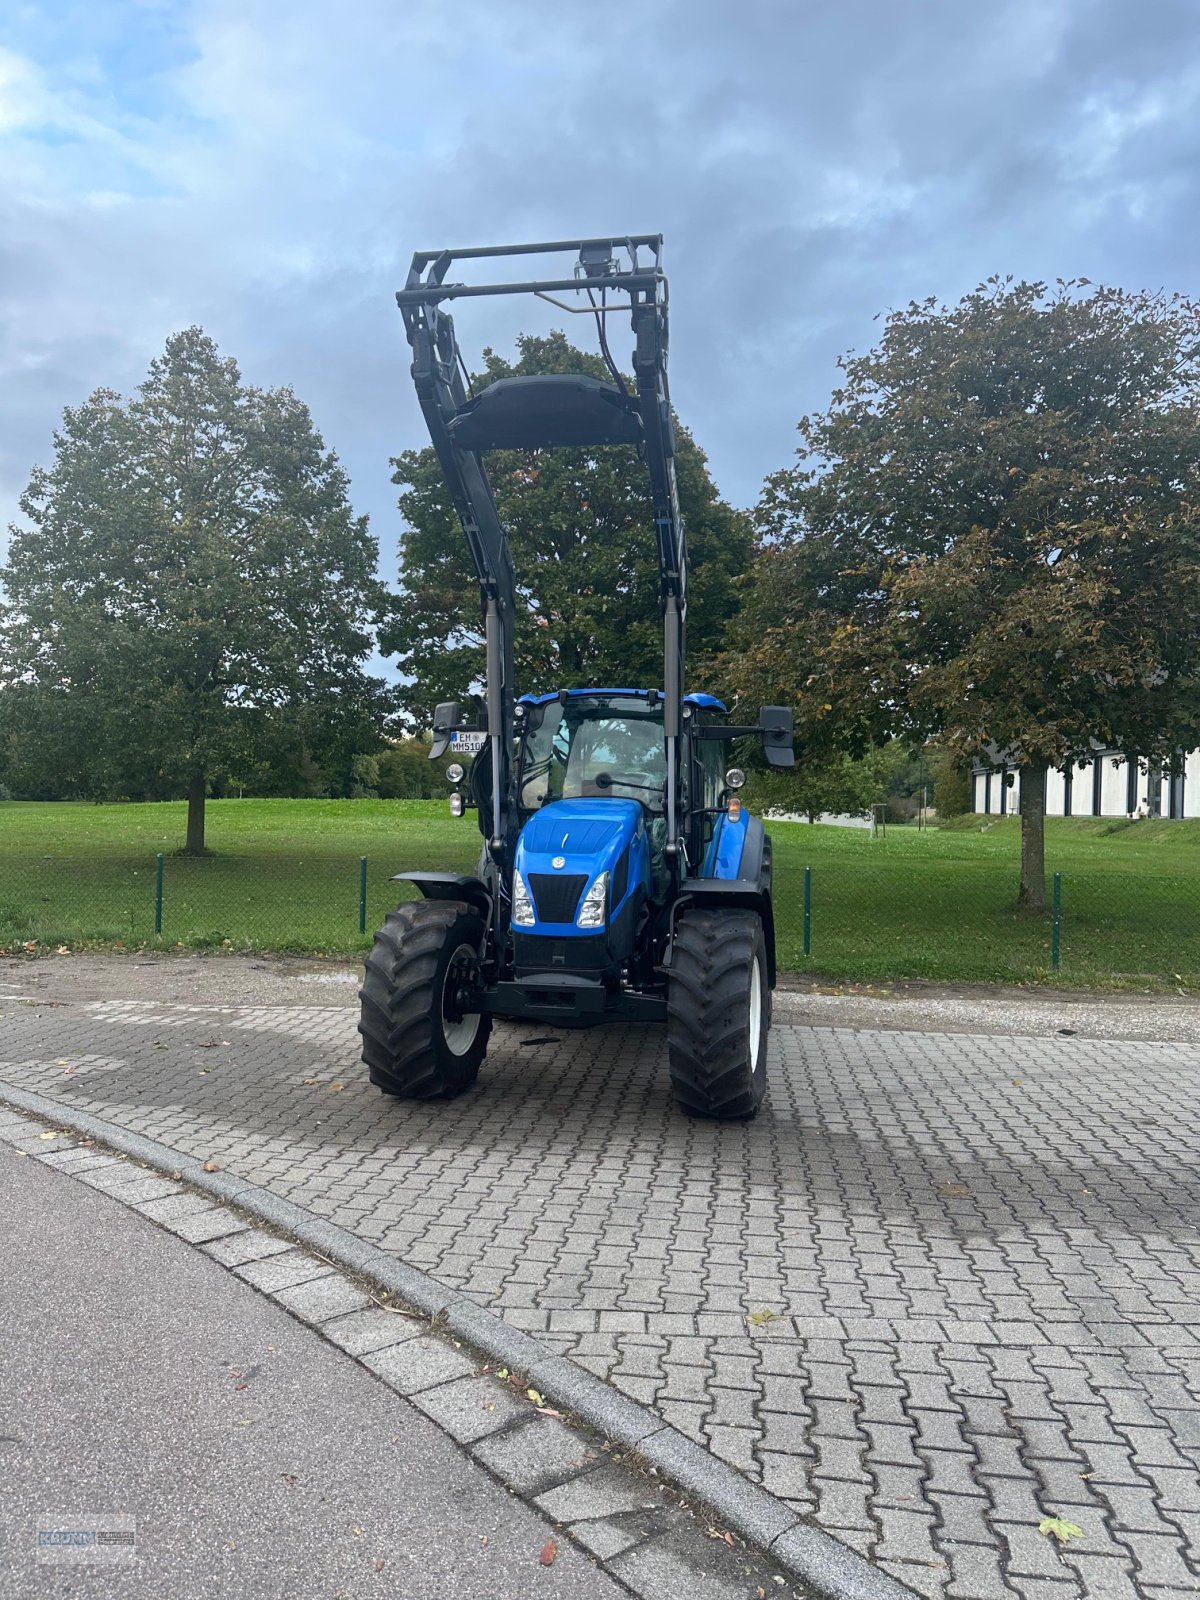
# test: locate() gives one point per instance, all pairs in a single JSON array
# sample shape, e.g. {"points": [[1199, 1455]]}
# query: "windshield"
{"points": [[602, 745]]}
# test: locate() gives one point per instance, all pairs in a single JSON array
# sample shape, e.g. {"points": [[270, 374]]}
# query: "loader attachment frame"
{"points": [[533, 412]]}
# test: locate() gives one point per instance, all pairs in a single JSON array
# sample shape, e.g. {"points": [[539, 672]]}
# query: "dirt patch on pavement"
{"points": [[240, 980]]}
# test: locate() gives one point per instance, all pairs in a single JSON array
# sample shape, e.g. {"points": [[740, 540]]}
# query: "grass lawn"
{"points": [[937, 905]]}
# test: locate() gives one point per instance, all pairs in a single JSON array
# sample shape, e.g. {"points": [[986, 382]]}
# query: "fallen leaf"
{"points": [[336, 1088], [310, 1081], [549, 1551], [47, 1136], [548, 1411], [1055, 1527], [538, 1399], [211, 1166], [759, 1318], [503, 1372], [953, 1191]]}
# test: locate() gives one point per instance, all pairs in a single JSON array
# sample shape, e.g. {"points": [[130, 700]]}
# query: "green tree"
{"points": [[951, 784], [581, 530], [992, 536], [406, 773], [836, 785], [191, 586]]}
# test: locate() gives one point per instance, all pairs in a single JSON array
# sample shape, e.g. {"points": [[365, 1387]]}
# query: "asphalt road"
{"points": [[256, 1460]]}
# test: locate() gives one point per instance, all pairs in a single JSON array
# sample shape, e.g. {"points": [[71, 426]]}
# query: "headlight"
{"points": [[522, 905], [592, 911]]}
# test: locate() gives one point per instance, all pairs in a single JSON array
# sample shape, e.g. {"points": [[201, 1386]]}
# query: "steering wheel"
{"points": [[606, 780]]}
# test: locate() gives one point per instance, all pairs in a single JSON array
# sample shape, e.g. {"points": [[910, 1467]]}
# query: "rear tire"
{"points": [[416, 1044], [718, 1013]]}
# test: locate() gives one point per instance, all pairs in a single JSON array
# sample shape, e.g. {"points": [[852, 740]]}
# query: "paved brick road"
{"points": [[944, 1286]]}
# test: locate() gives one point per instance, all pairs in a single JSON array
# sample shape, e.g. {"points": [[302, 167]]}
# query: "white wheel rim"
{"points": [[460, 1035], [755, 1012]]}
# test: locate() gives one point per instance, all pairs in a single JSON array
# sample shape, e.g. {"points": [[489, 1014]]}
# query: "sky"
{"points": [[266, 170]]}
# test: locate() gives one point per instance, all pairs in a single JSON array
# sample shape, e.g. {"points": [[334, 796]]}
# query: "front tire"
{"points": [[417, 1044], [718, 1013]]}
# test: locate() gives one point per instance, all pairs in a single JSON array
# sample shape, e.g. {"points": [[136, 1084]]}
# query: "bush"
{"points": [[406, 772], [952, 795]]}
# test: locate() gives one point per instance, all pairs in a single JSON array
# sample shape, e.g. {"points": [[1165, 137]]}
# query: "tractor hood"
{"points": [[566, 845]]}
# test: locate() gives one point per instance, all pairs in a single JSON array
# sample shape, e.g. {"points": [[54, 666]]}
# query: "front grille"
{"points": [[556, 895]]}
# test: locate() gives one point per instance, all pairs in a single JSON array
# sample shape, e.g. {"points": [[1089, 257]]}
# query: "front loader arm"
{"points": [[539, 412]]}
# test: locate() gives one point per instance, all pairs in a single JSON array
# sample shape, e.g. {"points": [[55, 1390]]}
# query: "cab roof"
{"points": [[706, 702]]}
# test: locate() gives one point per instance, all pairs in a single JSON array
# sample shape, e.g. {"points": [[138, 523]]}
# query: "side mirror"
{"points": [[776, 726], [446, 719]]}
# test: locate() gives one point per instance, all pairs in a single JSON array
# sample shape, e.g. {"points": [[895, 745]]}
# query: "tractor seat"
{"points": [[555, 410]]}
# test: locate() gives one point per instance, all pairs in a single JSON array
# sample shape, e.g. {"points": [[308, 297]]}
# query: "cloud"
{"points": [[266, 173]]}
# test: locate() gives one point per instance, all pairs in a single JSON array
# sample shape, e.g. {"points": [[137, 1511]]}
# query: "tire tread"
{"points": [[398, 1000], [707, 1003]]}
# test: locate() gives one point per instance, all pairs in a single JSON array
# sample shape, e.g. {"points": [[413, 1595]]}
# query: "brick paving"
{"points": [[945, 1286]]}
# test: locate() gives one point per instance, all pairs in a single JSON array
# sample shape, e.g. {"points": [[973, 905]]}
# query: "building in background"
{"points": [[1110, 783]]}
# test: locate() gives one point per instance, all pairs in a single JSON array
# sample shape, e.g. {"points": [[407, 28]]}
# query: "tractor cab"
{"points": [[589, 869]]}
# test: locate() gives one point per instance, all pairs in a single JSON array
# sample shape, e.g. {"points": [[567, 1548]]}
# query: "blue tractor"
{"points": [[620, 878]]}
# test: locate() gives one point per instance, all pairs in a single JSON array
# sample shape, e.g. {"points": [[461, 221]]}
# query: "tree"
{"points": [[951, 784], [581, 529], [405, 772], [837, 785], [992, 536], [191, 587]]}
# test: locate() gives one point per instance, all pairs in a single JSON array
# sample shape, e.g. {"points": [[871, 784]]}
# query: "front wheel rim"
{"points": [[459, 1029], [755, 1012]]}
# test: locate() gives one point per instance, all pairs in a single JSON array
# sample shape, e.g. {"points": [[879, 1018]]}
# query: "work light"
{"points": [[592, 911], [522, 905]]}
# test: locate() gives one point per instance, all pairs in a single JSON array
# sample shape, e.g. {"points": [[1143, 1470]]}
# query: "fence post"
{"points": [[1056, 922], [362, 894], [807, 909], [158, 886]]}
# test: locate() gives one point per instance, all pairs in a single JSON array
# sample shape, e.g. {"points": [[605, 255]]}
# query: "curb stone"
{"points": [[826, 1568]]}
